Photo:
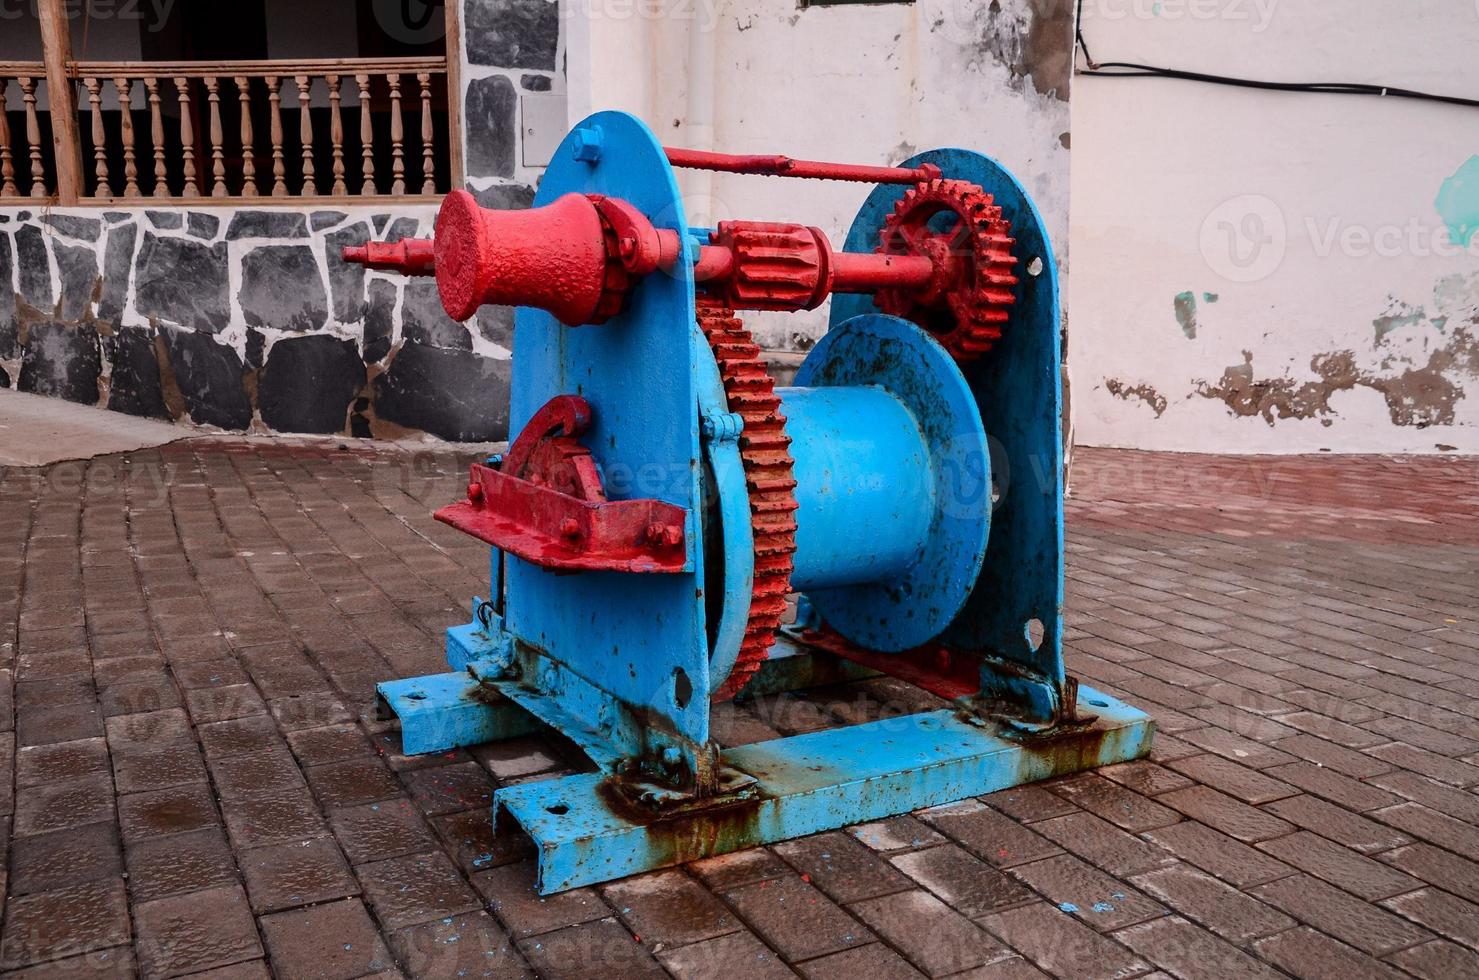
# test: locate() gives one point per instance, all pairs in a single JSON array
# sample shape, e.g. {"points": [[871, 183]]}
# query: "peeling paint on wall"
{"points": [[1417, 396], [1143, 392], [1027, 40], [1458, 203], [1185, 305]]}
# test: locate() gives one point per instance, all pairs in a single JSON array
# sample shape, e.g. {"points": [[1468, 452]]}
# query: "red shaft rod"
{"points": [[783, 166], [854, 272]]}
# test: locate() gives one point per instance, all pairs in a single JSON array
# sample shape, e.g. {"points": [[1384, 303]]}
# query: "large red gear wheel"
{"points": [[967, 302], [766, 457]]}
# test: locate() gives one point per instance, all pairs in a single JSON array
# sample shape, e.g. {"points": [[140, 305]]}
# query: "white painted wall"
{"points": [[1311, 218], [867, 83]]}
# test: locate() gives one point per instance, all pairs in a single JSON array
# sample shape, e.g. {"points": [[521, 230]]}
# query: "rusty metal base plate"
{"points": [[585, 832]]}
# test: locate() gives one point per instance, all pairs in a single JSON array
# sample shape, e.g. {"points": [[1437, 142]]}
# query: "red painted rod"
{"points": [[783, 166]]}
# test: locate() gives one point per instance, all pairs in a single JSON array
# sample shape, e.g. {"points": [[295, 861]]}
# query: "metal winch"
{"points": [[662, 501]]}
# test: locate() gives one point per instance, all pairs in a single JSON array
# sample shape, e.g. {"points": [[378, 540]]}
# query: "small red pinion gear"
{"points": [[966, 303], [766, 457]]}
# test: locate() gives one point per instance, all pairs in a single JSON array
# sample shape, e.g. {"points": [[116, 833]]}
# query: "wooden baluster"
{"points": [[305, 133], [156, 136], [99, 145], [248, 141], [397, 136], [125, 89], [366, 138], [7, 163], [279, 168], [187, 137], [428, 137], [33, 136], [218, 138], [336, 133]]}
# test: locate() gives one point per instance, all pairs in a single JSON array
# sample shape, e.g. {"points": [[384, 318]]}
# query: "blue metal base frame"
{"points": [[585, 831]]}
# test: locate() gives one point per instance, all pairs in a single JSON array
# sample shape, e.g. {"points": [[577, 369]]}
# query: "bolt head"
{"points": [[671, 757], [474, 491], [586, 144], [570, 528]]}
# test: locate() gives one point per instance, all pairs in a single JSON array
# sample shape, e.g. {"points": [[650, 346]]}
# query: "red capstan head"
{"points": [[552, 257]]}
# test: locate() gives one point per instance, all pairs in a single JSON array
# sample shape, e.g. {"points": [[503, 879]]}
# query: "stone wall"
{"points": [[246, 319]]}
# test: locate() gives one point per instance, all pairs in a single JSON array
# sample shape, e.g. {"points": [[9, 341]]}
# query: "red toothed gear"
{"points": [[966, 303], [766, 456]]}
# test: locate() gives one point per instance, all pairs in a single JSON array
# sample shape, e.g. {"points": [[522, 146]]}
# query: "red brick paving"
{"points": [[192, 778]]}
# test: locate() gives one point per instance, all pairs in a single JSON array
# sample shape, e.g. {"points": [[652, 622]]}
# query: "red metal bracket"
{"points": [[947, 673], [547, 506]]}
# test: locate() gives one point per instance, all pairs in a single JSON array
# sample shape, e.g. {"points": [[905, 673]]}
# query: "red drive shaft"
{"points": [[579, 256]]}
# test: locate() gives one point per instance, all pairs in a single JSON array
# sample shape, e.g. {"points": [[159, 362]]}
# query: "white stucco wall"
{"points": [[1344, 312], [868, 83]]}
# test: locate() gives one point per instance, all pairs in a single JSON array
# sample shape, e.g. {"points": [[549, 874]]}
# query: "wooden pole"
{"points": [[56, 44]]}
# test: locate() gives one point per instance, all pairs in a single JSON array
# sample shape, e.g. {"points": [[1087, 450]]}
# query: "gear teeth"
{"points": [[978, 306], [766, 457]]}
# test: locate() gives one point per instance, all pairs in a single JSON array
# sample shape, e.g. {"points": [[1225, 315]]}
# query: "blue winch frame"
{"points": [[622, 665]]}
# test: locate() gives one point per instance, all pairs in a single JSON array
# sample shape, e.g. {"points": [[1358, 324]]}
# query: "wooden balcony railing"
{"points": [[345, 128]]}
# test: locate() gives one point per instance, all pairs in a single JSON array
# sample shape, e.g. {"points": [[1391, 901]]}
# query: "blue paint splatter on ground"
{"points": [[1068, 906], [1103, 907], [1458, 203]]}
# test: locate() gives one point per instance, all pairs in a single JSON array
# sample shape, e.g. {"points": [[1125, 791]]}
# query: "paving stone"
{"points": [[1443, 913], [195, 932], [590, 950], [256, 774], [509, 892], [1341, 866], [1335, 787], [895, 834], [46, 862], [357, 781], [470, 945], [240, 736], [296, 941], [668, 908], [1437, 960], [1215, 852], [60, 762], [1143, 776], [726, 956], [475, 845], [1347, 918], [162, 866], [263, 819], [795, 919], [1221, 908], [1442, 868], [992, 837], [177, 810], [443, 789], [57, 806], [64, 922], [299, 873], [963, 881], [169, 765], [1188, 950], [1087, 893], [376, 831], [1430, 825], [416, 888], [1309, 954], [1101, 843], [1339, 825], [740, 868], [1060, 944], [1239, 782], [934, 937], [843, 868], [1222, 812]]}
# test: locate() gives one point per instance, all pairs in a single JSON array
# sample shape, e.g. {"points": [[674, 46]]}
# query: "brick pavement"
{"points": [[192, 779]]}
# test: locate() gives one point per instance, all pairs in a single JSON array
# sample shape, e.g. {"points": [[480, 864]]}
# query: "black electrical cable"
{"points": [[1127, 69]]}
